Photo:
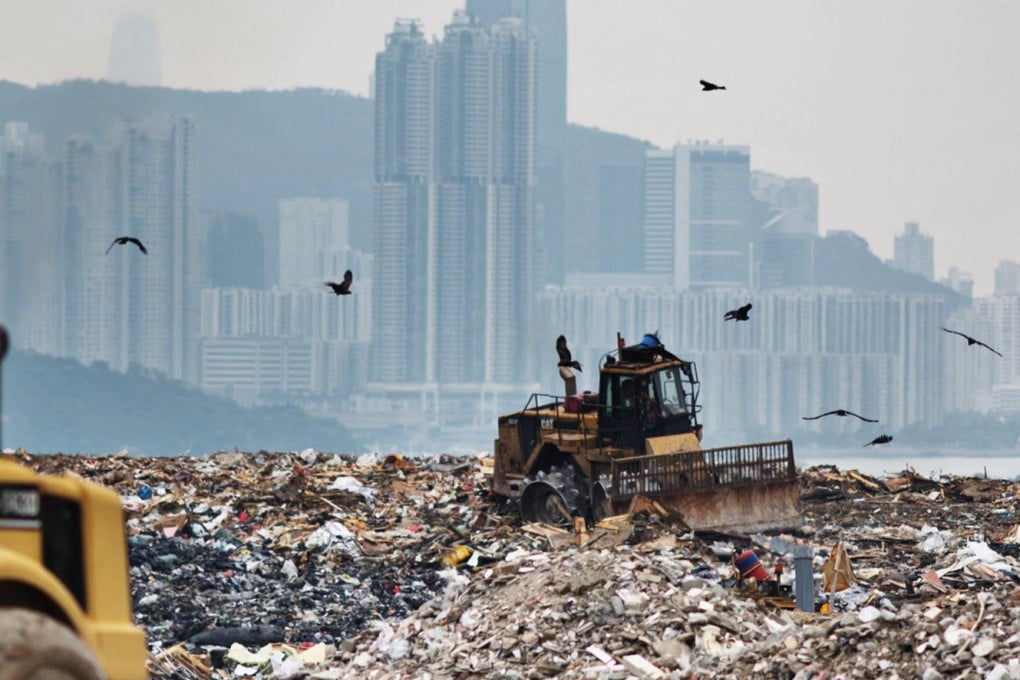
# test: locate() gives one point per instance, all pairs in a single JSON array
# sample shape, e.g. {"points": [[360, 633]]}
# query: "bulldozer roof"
{"points": [[640, 367]]}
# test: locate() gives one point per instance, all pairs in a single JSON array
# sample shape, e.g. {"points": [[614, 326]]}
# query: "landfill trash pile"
{"points": [[263, 548], [313, 565], [607, 614]]}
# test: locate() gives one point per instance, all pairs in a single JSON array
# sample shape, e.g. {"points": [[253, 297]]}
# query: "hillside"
{"points": [[57, 405], [254, 147], [586, 152], [843, 260]]}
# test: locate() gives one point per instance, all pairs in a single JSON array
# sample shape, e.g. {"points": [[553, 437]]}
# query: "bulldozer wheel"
{"points": [[34, 646], [600, 505], [541, 502]]}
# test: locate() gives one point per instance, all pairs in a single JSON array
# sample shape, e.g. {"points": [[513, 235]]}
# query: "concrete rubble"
{"points": [[314, 565]]}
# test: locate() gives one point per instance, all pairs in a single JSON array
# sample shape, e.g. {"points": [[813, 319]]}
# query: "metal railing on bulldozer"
{"points": [[558, 406], [671, 473], [4, 346], [562, 426]]}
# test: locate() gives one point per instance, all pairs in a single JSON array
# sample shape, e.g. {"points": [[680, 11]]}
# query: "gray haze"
{"points": [[899, 111], [460, 190], [135, 56]]}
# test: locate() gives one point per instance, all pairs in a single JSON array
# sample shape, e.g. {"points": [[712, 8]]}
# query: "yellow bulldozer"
{"points": [[65, 598], [593, 455]]}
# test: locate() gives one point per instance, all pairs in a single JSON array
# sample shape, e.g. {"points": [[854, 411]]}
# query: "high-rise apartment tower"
{"points": [[697, 215], [454, 203], [915, 252]]}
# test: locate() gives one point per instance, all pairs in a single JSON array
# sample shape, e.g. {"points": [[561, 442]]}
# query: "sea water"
{"points": [[890, 459]]}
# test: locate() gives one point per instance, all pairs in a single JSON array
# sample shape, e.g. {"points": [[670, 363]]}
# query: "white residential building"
{"points": [[1007, 278], [697, 215], [1000, 314], [804, 351], [262, 345], [313, 232], [125, 306], [915, 252], [32, 243]]}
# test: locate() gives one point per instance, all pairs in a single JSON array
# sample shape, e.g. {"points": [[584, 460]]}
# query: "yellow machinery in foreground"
{"points": [[65, 596], [591, 455]]}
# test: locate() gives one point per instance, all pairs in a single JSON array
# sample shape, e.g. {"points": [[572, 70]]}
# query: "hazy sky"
{"points": [[900, 110]]}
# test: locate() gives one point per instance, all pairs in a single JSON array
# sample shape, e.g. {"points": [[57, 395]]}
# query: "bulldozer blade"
{"points": [[748, 487], [741, 509]]}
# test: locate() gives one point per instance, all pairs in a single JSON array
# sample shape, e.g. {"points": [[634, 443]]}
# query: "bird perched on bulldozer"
{"points": [[564, 353]]}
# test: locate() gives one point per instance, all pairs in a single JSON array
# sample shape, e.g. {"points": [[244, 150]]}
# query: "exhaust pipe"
{"points": [[569, 381], [4, 345]]}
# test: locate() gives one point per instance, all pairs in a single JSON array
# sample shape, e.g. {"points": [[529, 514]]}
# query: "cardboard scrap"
{"points": [[932, 579], [897, 484], [839, 573], [1011, 535], [241, 655], [640, 502]]}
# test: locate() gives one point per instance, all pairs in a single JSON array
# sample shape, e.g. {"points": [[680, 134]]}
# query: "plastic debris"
{"points": [[352, 576]]}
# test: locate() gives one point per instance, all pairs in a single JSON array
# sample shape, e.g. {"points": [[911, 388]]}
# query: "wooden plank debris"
{"points": [[861, 479]]}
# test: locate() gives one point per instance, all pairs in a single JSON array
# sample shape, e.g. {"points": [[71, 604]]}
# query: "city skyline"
{"points": [[911, 125], [79, 149], [444, 326]]}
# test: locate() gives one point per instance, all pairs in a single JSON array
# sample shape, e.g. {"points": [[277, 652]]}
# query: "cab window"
{"points": [[620, 396], [671, 392]]}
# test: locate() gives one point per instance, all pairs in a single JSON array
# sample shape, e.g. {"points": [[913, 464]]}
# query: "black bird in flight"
{"points": [[970, 340], [840, 412], [122, 240], [344, 287], [565, 360], [708, 87], [738, 314], [880, 439]]}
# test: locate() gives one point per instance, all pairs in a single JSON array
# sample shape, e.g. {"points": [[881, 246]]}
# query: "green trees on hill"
{"points": [[57, 405], [843, 260], [253, 147]]}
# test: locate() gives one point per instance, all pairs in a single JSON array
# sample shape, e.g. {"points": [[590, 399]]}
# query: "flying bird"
{"points": [[970, 340], [739, 314], [123, 240], [708, 87], [880, 439], [565, 360], [344, 287], [840, 412]]}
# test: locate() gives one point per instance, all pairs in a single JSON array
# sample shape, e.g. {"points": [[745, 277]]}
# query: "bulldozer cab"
{"points": [[641, 400]]}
